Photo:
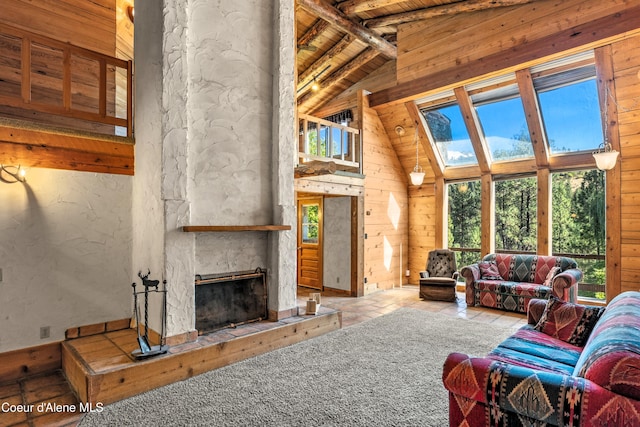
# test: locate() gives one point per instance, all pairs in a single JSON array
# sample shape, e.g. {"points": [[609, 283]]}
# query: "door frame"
{"points": [[320, 245]]}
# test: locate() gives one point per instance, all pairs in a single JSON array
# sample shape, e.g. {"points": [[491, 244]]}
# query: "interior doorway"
{"points": [[310, 242]]}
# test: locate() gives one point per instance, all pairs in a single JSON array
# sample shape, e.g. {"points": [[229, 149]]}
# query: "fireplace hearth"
{"points": [[230, 299]]}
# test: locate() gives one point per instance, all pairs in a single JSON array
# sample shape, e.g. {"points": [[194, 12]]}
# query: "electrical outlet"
{"points": [[45, 331]]}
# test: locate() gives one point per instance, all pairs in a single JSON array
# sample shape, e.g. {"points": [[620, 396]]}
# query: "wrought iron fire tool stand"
{"points": [[146, 350]]}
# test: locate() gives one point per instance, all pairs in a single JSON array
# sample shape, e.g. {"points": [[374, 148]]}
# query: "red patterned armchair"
{"points": [[508, 282], [578, 366]]}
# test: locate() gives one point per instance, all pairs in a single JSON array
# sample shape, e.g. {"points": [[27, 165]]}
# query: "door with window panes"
{"points": [[310, 242]]}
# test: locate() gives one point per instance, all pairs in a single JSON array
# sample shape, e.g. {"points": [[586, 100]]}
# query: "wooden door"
{"points": [[310, 242]]}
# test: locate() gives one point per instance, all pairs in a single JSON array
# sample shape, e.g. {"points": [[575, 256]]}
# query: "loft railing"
{"points": [[325, 141], [38, 73]]}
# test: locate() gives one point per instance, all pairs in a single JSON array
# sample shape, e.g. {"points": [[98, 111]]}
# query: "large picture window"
{"points": [[516, 215], [464, 221], [578, 206]]}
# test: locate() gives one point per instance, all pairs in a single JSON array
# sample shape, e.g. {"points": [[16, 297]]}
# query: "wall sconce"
{"points": [[606, 156], [12, 174]]}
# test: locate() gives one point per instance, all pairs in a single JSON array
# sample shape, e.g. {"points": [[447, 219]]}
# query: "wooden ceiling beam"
{"points": [[325, 11], [471, 121], [312, 33], [352, 7], [445, 9], [533, 117], [320, 63], [367, 55]]}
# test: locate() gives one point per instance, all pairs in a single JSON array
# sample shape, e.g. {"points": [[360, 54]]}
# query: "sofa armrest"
{"points": [[471, 273], [535, 310], [519, 390], [566, 280]]}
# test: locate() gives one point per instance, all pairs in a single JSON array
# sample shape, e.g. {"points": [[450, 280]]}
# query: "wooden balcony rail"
{"points": [[324, 141], [41, 74]]}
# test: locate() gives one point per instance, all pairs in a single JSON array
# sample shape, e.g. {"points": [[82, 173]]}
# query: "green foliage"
{"points": [[310, 221], [312, 141], [516, 214]]}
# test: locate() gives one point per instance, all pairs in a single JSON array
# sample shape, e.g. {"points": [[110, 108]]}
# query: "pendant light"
{"points": [[417, 176]]}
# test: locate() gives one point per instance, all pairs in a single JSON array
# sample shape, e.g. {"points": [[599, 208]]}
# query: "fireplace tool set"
{"points": [[146, 350]]}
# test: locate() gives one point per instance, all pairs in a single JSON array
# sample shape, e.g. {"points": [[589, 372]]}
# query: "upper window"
{"points": [[503, 123], [450, 134], [570, 110]]}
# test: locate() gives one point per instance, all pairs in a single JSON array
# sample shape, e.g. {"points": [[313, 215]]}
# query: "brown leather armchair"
{"points": [[439, 280]]}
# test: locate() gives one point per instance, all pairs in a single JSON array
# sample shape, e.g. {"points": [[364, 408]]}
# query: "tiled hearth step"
{"points": [[102, 369]]}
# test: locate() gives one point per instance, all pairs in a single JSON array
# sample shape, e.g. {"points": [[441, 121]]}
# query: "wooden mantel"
{"points": [[223, 228]]}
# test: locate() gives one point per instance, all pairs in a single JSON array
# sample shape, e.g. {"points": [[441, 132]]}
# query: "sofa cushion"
{"points": [[536, 350], [611, 357], [511, 296], [569, 322], [489, 271], [528, 268]]}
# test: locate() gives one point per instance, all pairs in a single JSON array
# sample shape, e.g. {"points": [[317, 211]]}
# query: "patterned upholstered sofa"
{"points": [[539, 376], [520, 278]]}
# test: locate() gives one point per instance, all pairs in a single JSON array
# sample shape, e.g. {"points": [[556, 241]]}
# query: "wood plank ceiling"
{"points": [[341, 42]]}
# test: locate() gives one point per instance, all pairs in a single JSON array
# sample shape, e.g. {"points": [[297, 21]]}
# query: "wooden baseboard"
{"points": [[346, 293], [18, 364]]}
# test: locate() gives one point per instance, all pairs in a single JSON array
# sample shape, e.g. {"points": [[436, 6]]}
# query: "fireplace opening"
{"points": [[230, 299]]}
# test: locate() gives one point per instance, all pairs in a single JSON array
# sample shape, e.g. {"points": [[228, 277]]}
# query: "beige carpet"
{"points": [[383, 372]]}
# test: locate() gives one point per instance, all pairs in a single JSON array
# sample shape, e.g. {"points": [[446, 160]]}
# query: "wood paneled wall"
{"points": [[449, 43], [626, 64], [385, 205], [88, 24]]}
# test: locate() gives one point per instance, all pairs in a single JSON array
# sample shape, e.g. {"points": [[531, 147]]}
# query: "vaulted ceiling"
{"points": [[342, 42]]}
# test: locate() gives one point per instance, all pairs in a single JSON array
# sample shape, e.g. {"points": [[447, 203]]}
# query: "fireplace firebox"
{"points": [[229, 299]]}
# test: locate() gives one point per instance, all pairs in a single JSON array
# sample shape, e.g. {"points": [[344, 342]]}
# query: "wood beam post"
{"points": [[487, 215], [445, 9], [329, 13], [607, 90], [544, 212]]}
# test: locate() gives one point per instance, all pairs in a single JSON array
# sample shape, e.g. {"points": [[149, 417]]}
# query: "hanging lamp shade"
{"points": [[606, 157], [417, 176]]}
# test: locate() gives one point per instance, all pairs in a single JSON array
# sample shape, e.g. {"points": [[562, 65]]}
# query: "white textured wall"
{"points": [[230, 111], [337, 243], [65, 250]]}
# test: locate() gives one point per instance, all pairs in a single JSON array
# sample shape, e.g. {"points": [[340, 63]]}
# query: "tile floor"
{"points": [[53, 389]]}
